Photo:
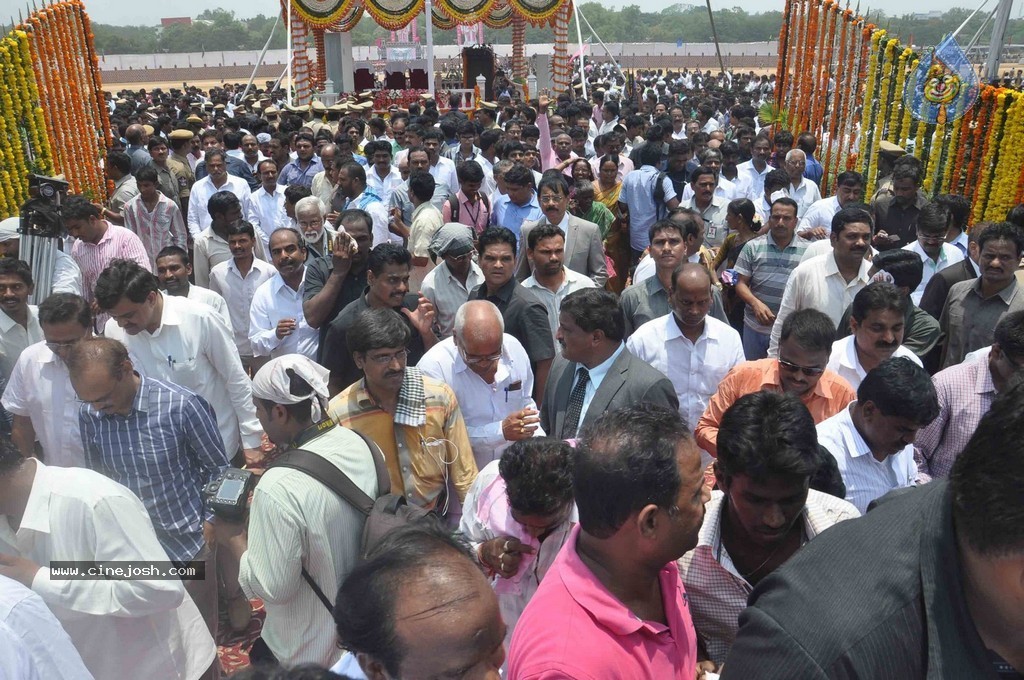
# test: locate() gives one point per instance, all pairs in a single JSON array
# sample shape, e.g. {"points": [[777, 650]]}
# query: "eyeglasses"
{"points": [[931, 238], [57, 346], [385, 359], [477, 360], [459, 258], [806, 370]]}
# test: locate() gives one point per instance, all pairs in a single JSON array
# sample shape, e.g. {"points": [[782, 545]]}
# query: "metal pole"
{"points": [[995, 46], [288, 66], [428, 10], [579, 40], [714, 34], [259, 62], [968, 19], [606, 49]]}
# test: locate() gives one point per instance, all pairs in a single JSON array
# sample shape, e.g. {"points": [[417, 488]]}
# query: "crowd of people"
{"points": [[635, 397]]}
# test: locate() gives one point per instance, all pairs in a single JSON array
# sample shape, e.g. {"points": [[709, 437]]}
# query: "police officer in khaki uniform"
{"points": [[181, 141]]}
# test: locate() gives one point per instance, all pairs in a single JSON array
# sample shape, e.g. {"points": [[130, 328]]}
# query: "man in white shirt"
{"points": [[693, 349], [551, 280], [39, 393], [237, 280], [817, 220], [34, 643], [178, 341], [802, 190], [933, 222], [210, 248], [872, 439], [277, 325], [173, 267], [443, 169], [381, 177], [19, 321], [352, 186], [490, 374], [266, 206], [216, 180], [877, 324], [138, 628], [829, 282], [296, 522], [757, 168]]}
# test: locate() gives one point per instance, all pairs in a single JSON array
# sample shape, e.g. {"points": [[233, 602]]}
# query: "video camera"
{"points": [[228, 495], [41, 214]]}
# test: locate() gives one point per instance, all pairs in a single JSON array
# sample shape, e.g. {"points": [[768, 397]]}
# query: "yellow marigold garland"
{"points": [[992, 135], [1006, 171], [895, 118], [870, 94]]}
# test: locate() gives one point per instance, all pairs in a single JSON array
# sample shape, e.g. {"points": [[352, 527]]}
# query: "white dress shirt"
{"points": [[726, 189], [238, 292], [484, 405], [694, 369], [820, 214], [276, 300], [948, 256], [211, 299], [136, 628], [67, 275], [15, 338], [383, 187], [817, 283], [198, 216], [846, 363], [34, 643], [805, 195], [572, 282], [210, 250], [40, 389], [754, 179], [322, 188], [865, 477], [193, 347], [267, 211], [444, 172]]}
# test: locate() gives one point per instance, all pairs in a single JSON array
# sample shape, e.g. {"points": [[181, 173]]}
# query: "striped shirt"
{"points": [[166, 450], [965, 393], [716, 589], [161, 227], [92, 258], [866, 477], [768, 267]]}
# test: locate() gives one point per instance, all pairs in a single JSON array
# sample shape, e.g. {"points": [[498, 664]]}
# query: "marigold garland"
{"points": [[981, 200], [870, 95]]}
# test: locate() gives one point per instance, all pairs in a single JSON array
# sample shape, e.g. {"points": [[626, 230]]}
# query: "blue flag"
{"points": [[944, 86]]}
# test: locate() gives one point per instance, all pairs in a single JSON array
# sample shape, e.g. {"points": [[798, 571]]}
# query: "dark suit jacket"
{"points": [[629, 381], [934, 298], [585, 257], [836, 610]]}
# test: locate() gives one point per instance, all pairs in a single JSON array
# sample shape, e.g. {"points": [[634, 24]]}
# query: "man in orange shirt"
{"points": [[799, 370]]}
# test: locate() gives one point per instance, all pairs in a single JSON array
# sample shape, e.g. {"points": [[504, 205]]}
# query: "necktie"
{"points": [[575, 409]]}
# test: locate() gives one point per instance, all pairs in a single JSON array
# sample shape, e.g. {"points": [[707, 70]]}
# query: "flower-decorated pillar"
{"points": [[561, 76], [518, 47]]}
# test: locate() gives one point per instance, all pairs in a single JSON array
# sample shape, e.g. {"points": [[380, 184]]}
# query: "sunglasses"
{"points": [[806, 370]]}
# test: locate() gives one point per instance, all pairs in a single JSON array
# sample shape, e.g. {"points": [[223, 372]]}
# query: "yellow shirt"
{"points": [[421, 457]]}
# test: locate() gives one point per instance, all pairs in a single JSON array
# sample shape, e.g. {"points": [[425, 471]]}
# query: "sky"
{"points": [[122, 13]]}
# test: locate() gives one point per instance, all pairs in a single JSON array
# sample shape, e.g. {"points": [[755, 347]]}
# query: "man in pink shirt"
{"points": [[98, 243], [612, 604]]}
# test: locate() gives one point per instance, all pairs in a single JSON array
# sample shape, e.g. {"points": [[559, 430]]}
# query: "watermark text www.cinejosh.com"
{"points": [[127, 571]]}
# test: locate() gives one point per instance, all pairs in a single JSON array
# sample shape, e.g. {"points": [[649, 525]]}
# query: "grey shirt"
{"points": [[968, 320], [649, 300]]}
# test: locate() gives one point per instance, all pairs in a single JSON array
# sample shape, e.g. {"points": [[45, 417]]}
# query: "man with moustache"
{"points": [[877, 324], [310, 215], [173, 268], [551, 280], [829, 282], [19, 321], [266, 209], [800, 370], [276, 324]]}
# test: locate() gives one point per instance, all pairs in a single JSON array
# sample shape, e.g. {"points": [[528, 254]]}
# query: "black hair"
{"points": [[293, 193], [899, 387], [851, 215], [121, 161], [987, 477], [811, 329], [555, 181], [850, 178], [221, 202], [767, 433], [147, 173], [376, 329], [305, 137], [905, 267], [787, 201], [699, 171], [355, 171], [215, 153], [154, 142], [933, 218], [1009, 334], [744, 209], [594, 309], [242, 227], [175, 251], [906, 171], [776, 179], [124, 278], [64, 307], [347, 217], [541, 232], [538, 475], [469, 171], [783, 138], [678, 146], [1015, 215], [877, 295], [422, 185], [364, 610], [385, 254], [495, 235], [1003, 231], [12, 267], [650, 154], [10, 456], [626, 460], [489, 138], [959, 207], [678, 226]]}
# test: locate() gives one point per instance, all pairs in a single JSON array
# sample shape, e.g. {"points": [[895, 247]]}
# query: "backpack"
{"points": [[661, 210], [453, 205], [386, 512]]}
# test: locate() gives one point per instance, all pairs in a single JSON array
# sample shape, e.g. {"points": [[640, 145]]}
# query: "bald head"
{"points": [[479, 321], [97, 352], [691, 275], [135, 134]]}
